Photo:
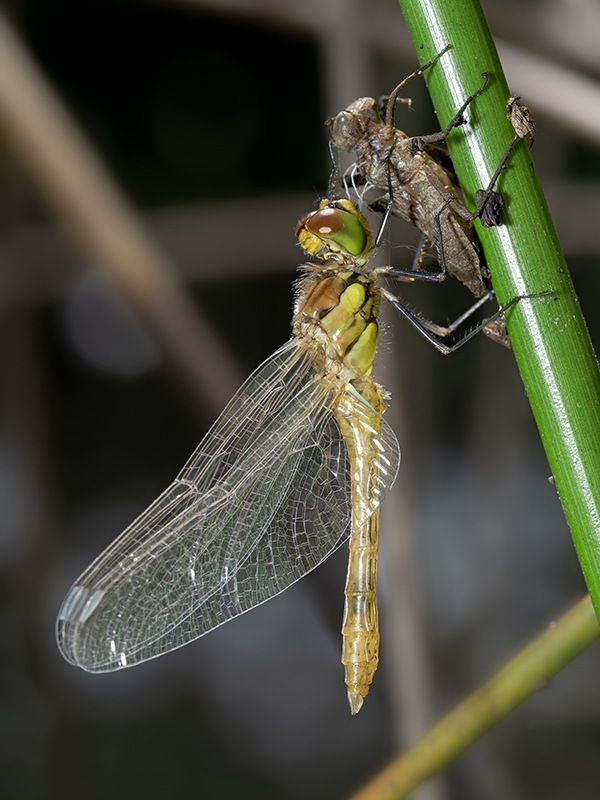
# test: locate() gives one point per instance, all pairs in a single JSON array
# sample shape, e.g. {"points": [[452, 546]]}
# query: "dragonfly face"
{"points": [[336, 231]]}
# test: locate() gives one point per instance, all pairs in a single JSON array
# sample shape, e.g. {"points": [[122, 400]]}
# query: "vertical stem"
{"points": [[550, 340]]}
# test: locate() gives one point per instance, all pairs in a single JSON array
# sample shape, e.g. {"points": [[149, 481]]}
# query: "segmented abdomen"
{"points": [[360, 425], [338, 314]]}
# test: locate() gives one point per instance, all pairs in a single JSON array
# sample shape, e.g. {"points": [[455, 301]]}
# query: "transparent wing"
{"points": [[263, 500]]}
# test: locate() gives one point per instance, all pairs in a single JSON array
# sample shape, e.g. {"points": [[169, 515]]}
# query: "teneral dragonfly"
{"points": [[297, 463]]}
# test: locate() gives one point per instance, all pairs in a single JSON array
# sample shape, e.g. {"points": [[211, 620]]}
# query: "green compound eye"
{"points": [[335, 229], [340, 228]]}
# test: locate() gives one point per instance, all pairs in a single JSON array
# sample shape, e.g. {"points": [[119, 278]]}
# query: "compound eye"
{"points": [[337, 230], [325, 223], [342, 230]]}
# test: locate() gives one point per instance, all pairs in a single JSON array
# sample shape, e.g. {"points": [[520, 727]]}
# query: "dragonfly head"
{"points": [[336, 231]]}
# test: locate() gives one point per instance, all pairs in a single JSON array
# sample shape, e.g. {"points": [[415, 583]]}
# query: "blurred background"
{"points": [[155, 157]]}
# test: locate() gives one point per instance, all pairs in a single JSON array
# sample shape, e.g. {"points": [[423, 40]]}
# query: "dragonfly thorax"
{"points": [[337, 313]]}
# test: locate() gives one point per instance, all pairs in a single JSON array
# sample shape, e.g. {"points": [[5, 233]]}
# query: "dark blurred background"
{"points": [[208, 116]]}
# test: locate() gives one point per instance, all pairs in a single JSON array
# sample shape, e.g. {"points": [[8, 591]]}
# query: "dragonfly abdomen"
{"points": [[360, 628], [359, 418]]}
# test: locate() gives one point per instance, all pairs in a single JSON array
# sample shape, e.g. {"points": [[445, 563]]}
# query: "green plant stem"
{"points": [[529, 671], [549, 336]]}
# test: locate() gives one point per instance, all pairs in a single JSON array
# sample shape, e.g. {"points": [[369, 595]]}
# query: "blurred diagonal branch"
{"points": [[529, 671], [48, 147]]}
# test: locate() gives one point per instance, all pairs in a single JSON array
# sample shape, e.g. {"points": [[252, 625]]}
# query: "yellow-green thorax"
{"points": [[340, 310], [337, 304]]}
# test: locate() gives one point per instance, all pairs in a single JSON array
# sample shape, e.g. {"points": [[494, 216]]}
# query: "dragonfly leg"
{"points": [[414, 273], [433, 332], [417, 265]]}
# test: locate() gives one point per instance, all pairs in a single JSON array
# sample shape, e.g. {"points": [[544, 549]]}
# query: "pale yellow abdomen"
{"points": [[338, 314]]}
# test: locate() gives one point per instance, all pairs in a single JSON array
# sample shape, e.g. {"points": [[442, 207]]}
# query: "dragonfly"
{"points": [[297, 464]]}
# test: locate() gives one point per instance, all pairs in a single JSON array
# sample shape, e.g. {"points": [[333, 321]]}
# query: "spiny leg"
{"points": [[430, 331], [411, 274]]}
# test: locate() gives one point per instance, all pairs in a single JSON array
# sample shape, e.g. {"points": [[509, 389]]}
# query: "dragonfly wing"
{"points": [[262, 501], [389, 451]]}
